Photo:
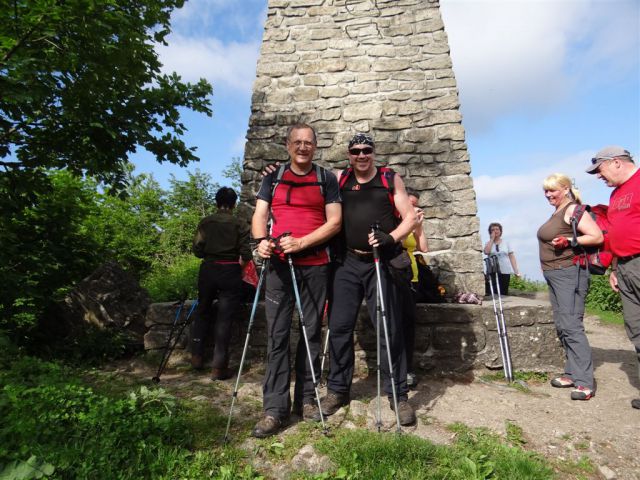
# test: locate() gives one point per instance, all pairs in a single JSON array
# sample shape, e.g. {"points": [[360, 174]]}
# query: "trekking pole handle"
{"points": [[375, 226]]}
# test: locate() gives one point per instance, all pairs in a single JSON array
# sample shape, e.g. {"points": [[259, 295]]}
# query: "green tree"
{"points": [[81, 88], [127, 226], [187, 202], [234, 173], [45, 248]]}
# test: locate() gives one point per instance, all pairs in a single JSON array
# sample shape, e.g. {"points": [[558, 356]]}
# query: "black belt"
{"points": [[361, 254], [628, 257]]}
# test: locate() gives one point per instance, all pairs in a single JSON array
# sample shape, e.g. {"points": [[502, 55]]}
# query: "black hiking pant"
{"points": [[279, 307], [354, 280], [224, 282]]}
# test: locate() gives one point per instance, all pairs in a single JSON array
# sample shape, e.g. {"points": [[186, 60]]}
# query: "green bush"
{"points": [[601, 296], [81, 433], [177, 280], [525, 284], [55, 426]]}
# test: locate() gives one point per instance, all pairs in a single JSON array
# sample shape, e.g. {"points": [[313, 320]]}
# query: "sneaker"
{"points": [[196, 362], [635, 403], [562, 382], [266, 427], [412, 380], [581, 393], [221, 374], [332, 402], [405, 412]]}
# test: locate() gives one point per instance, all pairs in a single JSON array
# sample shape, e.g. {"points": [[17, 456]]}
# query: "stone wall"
{"points": [[450, 338], [376, 66]]}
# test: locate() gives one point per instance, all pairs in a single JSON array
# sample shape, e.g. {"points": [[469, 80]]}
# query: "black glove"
{"points": [[383, 238]]}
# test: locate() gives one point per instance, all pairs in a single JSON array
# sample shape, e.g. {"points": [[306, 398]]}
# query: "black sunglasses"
{"points": [[357, 151], [600, 159]]}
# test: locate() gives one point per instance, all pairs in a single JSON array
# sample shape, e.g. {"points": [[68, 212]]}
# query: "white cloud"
{"points": [[519, 56], [517, 202], [231, 65], [242, 18]]}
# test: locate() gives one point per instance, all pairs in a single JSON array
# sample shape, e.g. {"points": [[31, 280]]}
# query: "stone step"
{"points": [[450, 338]]}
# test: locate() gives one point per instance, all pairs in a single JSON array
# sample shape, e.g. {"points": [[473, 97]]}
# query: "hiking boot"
{"points": [[196, 362], [266, 427], [412, 380], [332, 402], [405, 412], [635, 403], [581, 393], [308, 411], [221, 374], [562, 382]]}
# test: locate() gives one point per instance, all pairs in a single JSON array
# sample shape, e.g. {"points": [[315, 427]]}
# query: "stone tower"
{"points": [[376, 66]]}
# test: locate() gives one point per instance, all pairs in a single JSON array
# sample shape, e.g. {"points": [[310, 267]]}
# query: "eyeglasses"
{"points": [[299, 143], [357, 151]]}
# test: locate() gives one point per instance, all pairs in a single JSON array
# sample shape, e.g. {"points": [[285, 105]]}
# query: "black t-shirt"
{"points": [[362, 205]]}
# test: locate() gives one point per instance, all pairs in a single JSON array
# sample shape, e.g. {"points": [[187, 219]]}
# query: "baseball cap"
{"points": [[607, 153]]}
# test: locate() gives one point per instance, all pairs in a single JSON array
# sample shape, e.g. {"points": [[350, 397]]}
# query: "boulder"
{"points": [[109, 298]]}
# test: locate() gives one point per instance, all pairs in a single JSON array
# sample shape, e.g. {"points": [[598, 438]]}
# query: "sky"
{"points": [[543, 85]]}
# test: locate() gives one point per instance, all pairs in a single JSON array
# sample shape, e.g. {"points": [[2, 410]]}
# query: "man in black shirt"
{"points": [[222, 241], [370, 195]]}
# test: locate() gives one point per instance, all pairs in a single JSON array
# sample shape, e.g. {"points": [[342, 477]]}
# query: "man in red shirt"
{"points": [[302, 200], [615, 166]]}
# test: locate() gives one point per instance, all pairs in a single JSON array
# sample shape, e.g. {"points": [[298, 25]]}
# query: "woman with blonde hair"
{"points": [[568, 283]]}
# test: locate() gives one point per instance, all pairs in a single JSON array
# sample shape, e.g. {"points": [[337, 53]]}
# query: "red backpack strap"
{"points": [[344, 176], [387, 177]]}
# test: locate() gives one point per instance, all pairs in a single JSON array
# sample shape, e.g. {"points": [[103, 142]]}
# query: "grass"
{"points": [[534, 378], [607, 317], [90, 424]]}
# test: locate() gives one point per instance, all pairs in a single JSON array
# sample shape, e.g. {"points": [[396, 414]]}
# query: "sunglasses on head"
{"points": [[357, 151]]}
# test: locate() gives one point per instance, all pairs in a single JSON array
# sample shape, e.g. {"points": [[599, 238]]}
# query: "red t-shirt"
{"points": [[624, 218], [300, 210]]}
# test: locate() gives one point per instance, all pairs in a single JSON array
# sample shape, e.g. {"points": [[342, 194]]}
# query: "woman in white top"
{"points": [[507, 264]]}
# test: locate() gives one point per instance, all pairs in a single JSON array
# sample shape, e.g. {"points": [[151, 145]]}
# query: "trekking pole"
{"points": [[173, 339], [382, 314], [325, 350], [265, 266], [490, 266], [306, 340], [504, 337], [378, 369]]}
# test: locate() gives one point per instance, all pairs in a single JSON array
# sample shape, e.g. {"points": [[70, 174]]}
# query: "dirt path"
{"points": [[605, 429]]}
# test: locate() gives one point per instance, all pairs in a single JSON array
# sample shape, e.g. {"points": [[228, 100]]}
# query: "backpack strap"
{"points": [[387, 178], [344, 176], [321, 175], [277, 178], [321, 181], [574, 221]]}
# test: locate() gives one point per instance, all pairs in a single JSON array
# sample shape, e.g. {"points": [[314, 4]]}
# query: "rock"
{"points": [[109, 298], [607, 473], [307, 459]]}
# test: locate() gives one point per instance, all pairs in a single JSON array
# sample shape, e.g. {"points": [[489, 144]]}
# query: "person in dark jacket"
{"points": [[222, 241]]}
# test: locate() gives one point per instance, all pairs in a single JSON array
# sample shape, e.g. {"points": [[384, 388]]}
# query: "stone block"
{"points": [[364, 111], [391, 65], [302, 94]]}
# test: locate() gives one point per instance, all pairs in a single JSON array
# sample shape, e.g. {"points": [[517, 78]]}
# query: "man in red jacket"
{"points": [[615, 166]]}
